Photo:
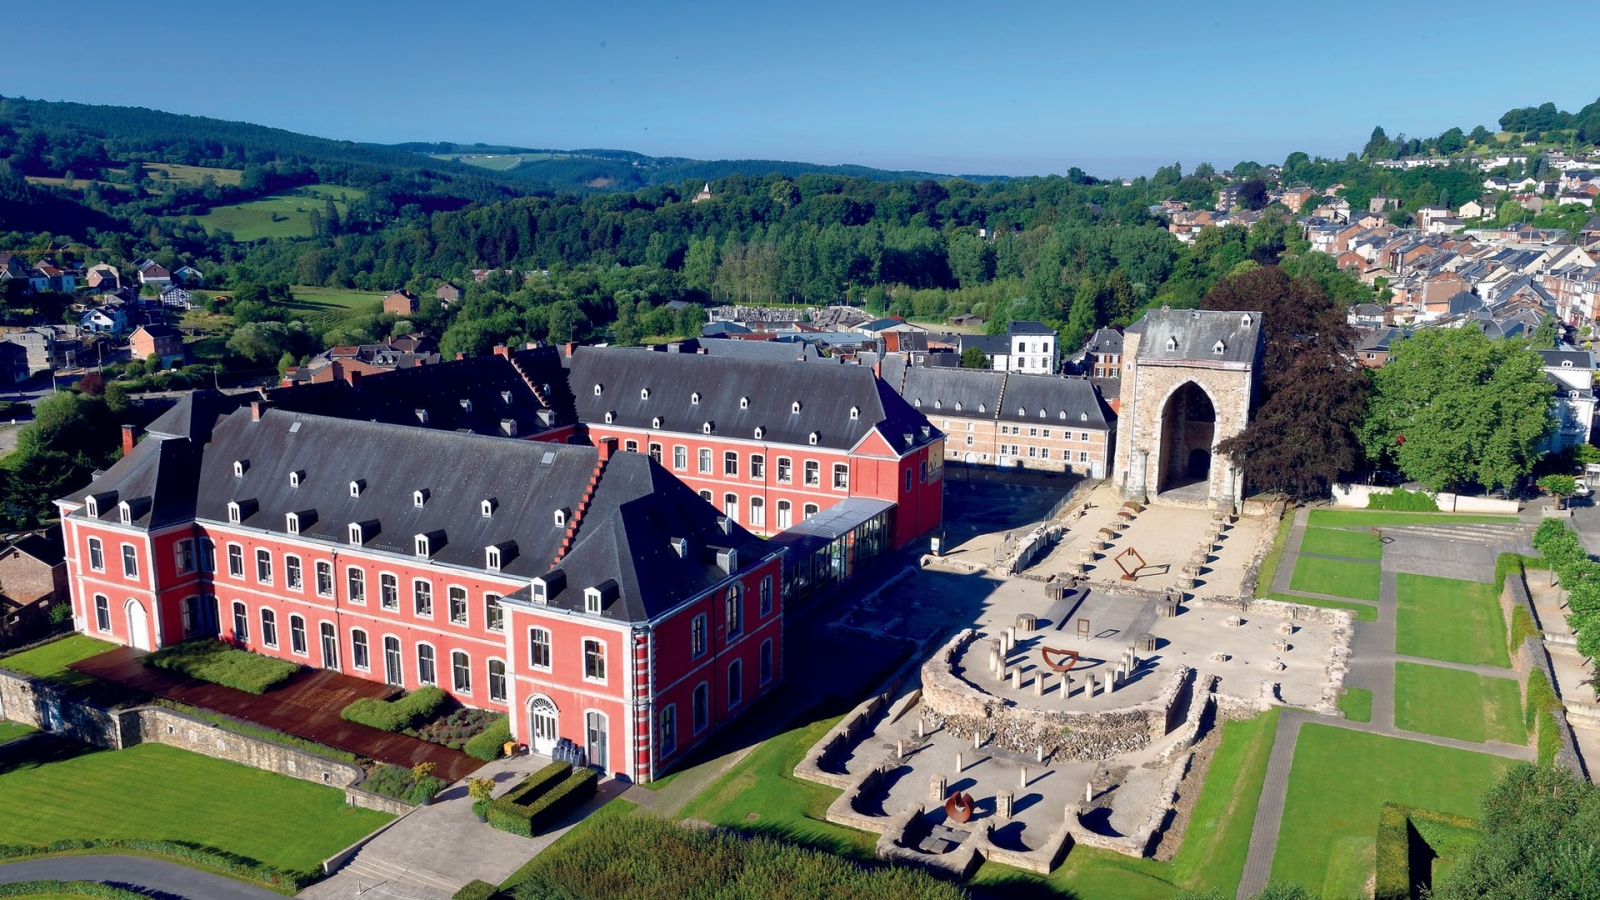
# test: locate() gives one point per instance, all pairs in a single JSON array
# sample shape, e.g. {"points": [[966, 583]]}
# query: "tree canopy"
{"points": [[1541, 841]]}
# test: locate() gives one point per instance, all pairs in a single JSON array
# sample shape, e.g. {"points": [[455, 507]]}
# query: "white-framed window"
{"points": [[785, 470], [241, 622], [130, 561], [324, 578], [735, 683], [733, 611], [667, 734], [233, 511], [766, 596], [841, 476], [388, 591], [291, 522], [491, 558], [809, 511], [705, 460], [208, 555], [424, 546], [293, 577], [357, 534], [102, 613], [458, 605], [758, 466], [783, 515], [539, 649], [356, 580], [269, 628], [697, 636], [297, 635], [426, 672], [184, 550], [758, 512], [1083, 456], [730, 463], [594, 660], [706, 496], [392, 673], [235, 561], [680, 457], [360, 652], [813, 473], [766, 661], [497, 680], [422, 598], [730, 506], [494, 615], [701, 703], [264, 565], [655, 452], [97, 555], [461, 672]]}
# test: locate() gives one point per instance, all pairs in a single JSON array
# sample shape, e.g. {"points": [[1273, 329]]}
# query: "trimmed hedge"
{"points": [[1400, 828], [1539, 717], [1404, 501], [396, 715], [211, 660], [541, 798], [486, 744], [68, 889], [206, 857], [476, 890]]}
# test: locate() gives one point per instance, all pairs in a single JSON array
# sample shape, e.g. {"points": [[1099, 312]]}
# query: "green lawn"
{"points": [[10, 731], [157, 792], [50, 661], [1337, 786], [1444, 618], [326, 308], [1457, 704], [1365, 518], [1356, 704], [159, 172], [278, 215], [1358, 581], [1364, 612], [1341, 542]]}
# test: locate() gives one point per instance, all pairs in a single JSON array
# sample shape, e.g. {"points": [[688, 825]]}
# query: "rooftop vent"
{"points": [[505, 397], [466, 405], [680, 546]]}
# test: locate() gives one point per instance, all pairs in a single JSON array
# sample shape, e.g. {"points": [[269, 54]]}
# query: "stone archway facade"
{"points": [[1176, 363]]}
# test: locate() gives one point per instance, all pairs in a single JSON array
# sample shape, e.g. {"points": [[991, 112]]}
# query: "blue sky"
{"points": [[1020, 88]]}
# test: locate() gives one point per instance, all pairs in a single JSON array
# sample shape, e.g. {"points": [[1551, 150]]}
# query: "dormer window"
{"points": [[1022, 411], [423, 546], [744, 402], [983, 407], [1041, 413], [466, 405], [125, 510], [356, 534], [233, 511], [291, 523], [491, 558], [812, 438], [419, 499], [655, 422], [855, 411], [1566, 364], [917, 402], [760, 432], [599, 389], [91, 506], [694, 398], [1220, 348], [644, 393], [505, 397], [1083, 417], [561, 518], [706, 428], [958, 406], [1063, 415], [610, 417], [487, 507], [239, 467], [591, 601], [1172, 344], [356, 487], [422, 416], [1247, 320], [296, 477], [794, 408], [539, 591]]}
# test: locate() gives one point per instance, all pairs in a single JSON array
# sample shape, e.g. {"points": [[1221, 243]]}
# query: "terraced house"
{"points": [[584, 591]]}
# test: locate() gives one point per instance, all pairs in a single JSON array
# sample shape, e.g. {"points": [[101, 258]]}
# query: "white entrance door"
{"points": [[542, 714], [138, 626]]}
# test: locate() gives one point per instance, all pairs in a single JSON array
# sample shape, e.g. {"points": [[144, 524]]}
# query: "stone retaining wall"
{"points": [[821, 764], [1532, 654], [956, 704], [1269, 533]]}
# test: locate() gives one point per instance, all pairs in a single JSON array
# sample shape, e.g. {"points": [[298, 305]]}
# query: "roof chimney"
{"points": [[500, 350], [257, 408], [607, 446], [353, 377], [130, 436]]}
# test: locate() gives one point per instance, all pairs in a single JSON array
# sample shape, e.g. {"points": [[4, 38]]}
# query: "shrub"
{"points": [[396, 715], [1400, 830], [486, 746], [477, 890], [68, 889], [541, 798], [211, 660], [1403, 500]]}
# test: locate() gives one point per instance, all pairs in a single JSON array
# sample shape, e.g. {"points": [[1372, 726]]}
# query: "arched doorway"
{"points": [[138, 626], [1188, 427], [544, 724]]}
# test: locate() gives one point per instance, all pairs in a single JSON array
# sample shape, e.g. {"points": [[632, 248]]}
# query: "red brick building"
{"points": [[581, 590]]}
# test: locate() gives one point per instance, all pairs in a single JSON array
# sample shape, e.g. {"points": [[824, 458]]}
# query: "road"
{"points": [[137, 873]]}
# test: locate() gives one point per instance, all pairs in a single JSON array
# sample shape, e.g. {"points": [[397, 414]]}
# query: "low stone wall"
{"points": [[821, 764], [1269, 532], [1043, 859], [1359, 496], [1533, 655], [957, 705], [897, 846]]}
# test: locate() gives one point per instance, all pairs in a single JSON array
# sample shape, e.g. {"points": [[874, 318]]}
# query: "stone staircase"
{"points": [[396, 880], [1475, 532]]}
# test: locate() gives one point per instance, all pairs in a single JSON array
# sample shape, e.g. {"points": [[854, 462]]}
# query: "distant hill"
{"points": [[624, 170]]}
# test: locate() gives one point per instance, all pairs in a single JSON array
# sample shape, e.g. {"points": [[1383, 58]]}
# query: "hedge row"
{"points": [[207, 857], [1539, 717], [68, 889], [211, 660], [1398, 827], [543, 797], [473, 890], [486, 745], [1403, 500], [416, 707]]}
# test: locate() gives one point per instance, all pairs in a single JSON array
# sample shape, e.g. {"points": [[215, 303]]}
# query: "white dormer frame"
{"points": [[760, 432], [296, 477], [1247, 321], [239, 467], [1566, 364], [356, 486], [592, 601], [487, 507], [1083, 417], [466, 404], [1172, 344], [1219, 348], [422, 545], [540, 591], [644, 393], [291, 523], [91, 506], [812, 438], [233, 511], [706, 428], [355, 534], [855, 411], [505, 397], [794, 408], [694, 398], [744, 402], [125, 509], [655, 422], [599, 389], [561, 517], [491, 558], [419, 498], [958, 406], [610, 416]]}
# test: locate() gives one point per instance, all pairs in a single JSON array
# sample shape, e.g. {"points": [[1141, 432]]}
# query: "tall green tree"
{"points": [[1541, 841], [1454, 408]]}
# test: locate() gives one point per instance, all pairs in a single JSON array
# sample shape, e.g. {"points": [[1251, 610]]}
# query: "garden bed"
{"points": [[216, 662]]}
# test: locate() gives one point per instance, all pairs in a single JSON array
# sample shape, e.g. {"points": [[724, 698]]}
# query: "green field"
{"points": [[156, 792], [1356, 704], [10, 731], [1339, 783], [278, 215], [50, 660], [191, 174], [1268, 573], [78, 184], [1456, 704], [1341, 542], [1365, 518], [326, 308], [1358, 581], [1363, 612], [1452, 620]]}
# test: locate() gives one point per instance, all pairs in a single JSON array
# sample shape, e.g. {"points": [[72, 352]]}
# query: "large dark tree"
{"points": [[1313, 392]]}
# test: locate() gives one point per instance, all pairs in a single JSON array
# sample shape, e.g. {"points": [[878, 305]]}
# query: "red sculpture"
{"points": [[1127, 573], [1070, 657], [959, 807]]}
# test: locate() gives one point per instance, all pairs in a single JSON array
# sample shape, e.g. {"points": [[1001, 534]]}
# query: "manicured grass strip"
{"points": [[1215, 841], [211, 660], [1358, 581], [1333, 518], [50, 661], [1457, 704], [1449, 619], [65, 791], [1341, 542], [1268, 573], [10, 731], [1364, 612], [1337, 788], [1356, 704]]}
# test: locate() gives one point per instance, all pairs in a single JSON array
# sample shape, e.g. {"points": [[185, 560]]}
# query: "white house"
{"points": [[1572, 372]]}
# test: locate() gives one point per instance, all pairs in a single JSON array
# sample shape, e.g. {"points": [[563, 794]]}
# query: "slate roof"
{"points": [[992, 345], [1105, 341], [624, 536], [1028, 328], [1193, 334], [1576, 359], [1005, 396], [768, 390], [46, 546], [770, 351]]}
